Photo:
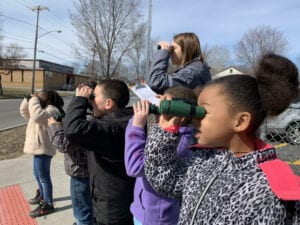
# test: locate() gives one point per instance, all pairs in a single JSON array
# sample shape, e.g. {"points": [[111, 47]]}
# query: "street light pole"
{"points": [[38, 8], [149, 25]]}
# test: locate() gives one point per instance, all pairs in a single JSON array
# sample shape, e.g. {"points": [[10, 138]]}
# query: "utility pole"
{"points": [[94, 75], [37, 9], [149, 37]]}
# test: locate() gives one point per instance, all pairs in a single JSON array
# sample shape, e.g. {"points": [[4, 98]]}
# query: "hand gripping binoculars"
{"points": [[177, 108]]}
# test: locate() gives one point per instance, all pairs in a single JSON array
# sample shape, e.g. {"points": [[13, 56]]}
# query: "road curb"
{"points": [[9, 128]]}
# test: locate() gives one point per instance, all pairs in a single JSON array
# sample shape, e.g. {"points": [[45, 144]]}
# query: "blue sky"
{"points": [[216, 22]]}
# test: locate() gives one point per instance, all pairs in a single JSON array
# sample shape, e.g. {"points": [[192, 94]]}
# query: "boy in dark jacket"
{"points": [[104, 137]]}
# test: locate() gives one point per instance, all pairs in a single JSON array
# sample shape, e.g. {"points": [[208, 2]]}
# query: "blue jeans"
{"points": [[81, 200], [41, 171]]}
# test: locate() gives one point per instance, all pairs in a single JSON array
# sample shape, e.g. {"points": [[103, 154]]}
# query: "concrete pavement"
{"points": [[19, 171]]}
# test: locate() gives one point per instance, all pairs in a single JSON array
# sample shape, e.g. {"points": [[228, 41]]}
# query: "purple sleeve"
{"points": [[186, 134], [135, 141]]}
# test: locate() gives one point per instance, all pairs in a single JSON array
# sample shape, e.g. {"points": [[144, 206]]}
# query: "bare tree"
{"points": [[105, 26], [258, 41], [137, 53], [218, 57], [10, 57], [12, 54], [1, 39]]}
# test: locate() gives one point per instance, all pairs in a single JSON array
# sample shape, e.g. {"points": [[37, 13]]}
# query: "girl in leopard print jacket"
{"points": [[243, 182]]}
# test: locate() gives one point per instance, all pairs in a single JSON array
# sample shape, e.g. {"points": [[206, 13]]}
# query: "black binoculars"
{"points": [[159, 47], [92, 97], [28, 96]]}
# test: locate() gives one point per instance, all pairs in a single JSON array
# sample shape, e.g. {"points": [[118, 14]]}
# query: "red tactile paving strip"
{"points": [[14, 208]]}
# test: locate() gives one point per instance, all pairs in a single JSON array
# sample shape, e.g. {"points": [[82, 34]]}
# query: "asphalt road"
{"points": [[10, 113]]}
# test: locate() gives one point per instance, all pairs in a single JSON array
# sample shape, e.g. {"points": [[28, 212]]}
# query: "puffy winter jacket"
{"points": [[37, 141], [112, 189]]}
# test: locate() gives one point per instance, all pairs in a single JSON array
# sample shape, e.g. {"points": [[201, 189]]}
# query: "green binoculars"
{"points": [[177, 108]]}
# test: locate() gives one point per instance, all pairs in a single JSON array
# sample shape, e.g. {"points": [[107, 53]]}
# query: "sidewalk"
{"points": [[19, 171]]}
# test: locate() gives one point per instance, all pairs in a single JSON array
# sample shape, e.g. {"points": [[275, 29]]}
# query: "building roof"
{"points": [[46, 65], [231, 70]]}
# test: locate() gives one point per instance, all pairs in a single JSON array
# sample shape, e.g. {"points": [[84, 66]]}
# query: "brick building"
{"points": [[48, 75]]}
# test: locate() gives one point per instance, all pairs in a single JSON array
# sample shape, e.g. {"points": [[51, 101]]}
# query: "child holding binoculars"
{"points": [[148, 206], [37, 108], [236, 178], [184, 52]]}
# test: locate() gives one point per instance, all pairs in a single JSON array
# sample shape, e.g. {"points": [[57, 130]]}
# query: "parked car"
{"points": [[67, 87], [285, 126]]}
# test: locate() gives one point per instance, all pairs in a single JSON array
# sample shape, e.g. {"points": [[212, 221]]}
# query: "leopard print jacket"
{"points": [[237, 189]]}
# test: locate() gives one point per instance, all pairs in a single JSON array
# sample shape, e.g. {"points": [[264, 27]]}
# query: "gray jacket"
{"points": [[192, 74]]}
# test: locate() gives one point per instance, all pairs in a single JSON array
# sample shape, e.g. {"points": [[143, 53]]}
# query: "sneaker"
{"points": [[36, 199], [42, 209], [38, 208]]}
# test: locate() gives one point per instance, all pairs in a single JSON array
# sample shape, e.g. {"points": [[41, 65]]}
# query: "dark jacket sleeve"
{"points": [[77, 128]]}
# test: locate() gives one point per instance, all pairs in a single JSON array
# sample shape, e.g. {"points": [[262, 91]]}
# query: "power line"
{"points": [[18, 35], [29, 40], [37, 9], [48, 23], [41, 43], [3, 46], [16, 39], [54, 18], [63, 59], [21, 21], [40, 27]]}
